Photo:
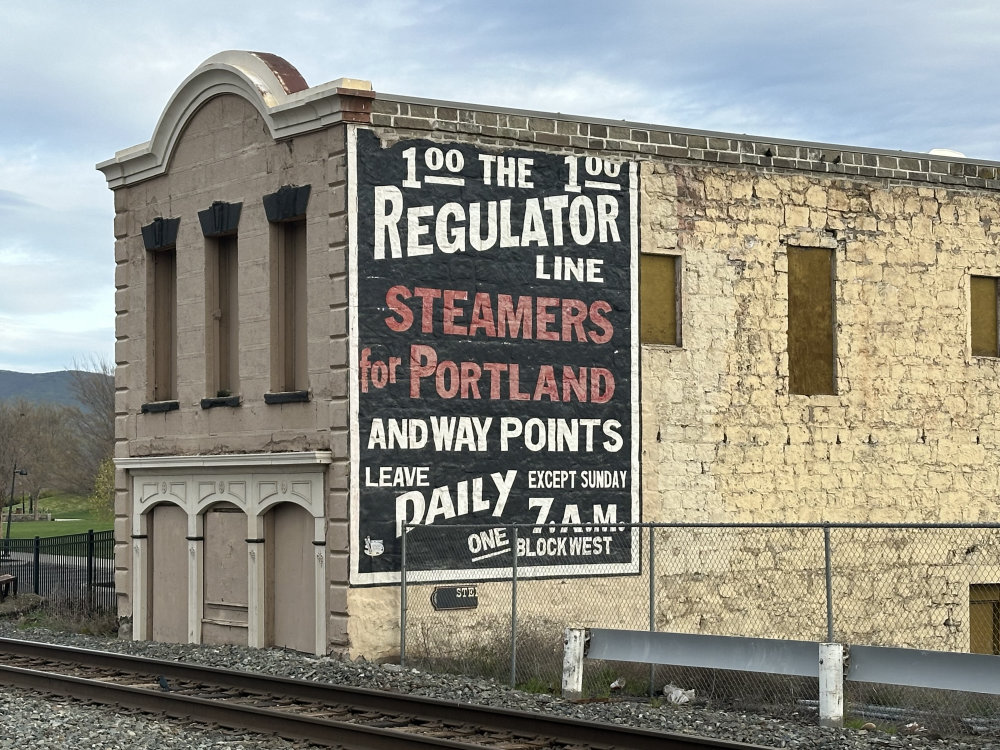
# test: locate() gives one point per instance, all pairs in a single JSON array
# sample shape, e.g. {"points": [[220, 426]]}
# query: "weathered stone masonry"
{"points": [[914, 410], [910, 435]]}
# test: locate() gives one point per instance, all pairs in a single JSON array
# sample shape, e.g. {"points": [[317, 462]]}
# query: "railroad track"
{"points": [[320, 713]]}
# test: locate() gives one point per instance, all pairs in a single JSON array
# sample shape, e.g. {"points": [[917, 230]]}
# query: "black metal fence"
{"points": [[76, 569]]}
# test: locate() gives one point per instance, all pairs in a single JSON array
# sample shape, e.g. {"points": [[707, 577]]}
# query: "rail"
{"points": [[300, 709]]}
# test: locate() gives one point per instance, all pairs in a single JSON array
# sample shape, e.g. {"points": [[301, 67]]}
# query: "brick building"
{"points": [[342, 314]]}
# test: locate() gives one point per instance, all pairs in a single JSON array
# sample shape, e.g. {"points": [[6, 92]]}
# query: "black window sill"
{"points": [[158, 407], [286, 397], [209, 403]]}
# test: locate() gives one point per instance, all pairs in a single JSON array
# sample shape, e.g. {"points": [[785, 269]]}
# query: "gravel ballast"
{"points": [[30, 721]]}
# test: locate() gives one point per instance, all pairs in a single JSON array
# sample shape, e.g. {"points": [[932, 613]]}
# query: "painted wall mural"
{"points": [[494, 362]]}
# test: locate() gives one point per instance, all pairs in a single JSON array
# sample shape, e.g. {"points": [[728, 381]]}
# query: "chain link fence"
{"points": [[928, 586]]}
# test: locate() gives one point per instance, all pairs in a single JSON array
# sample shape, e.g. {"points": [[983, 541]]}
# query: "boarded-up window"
{"points": [[984, 618], [225, 611], [810, 321], [984, 316], [222, 294], [162, 323], [166, 585], [288, 306], [659, 322]]}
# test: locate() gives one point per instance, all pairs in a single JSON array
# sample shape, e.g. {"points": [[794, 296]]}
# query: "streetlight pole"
{"points": [[10, 508]]}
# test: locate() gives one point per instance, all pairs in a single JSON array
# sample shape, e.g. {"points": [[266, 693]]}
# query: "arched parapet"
{"points": [[269, 83], [213, 490], [304, 490], [150, 491]]}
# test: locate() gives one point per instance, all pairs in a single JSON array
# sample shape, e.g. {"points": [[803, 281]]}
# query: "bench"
{"points": [[6, 581]]}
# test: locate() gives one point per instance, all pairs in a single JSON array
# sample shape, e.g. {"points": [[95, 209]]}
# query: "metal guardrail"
{"points": [[831, 663], [770, 655], [939, 670]]}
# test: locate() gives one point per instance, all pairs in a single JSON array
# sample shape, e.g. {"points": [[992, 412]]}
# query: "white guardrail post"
{"points": [[771, 656], [574, 641], [831, 684]]}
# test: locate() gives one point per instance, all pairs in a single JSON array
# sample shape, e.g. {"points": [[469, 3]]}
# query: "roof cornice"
{"points": [[227, 460]]}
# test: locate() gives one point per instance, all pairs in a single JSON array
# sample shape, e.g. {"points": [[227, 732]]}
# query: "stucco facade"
{"points": [[908, 431]]}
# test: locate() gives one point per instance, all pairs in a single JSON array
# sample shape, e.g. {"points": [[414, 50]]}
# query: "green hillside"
{"points": [[38, 388]]}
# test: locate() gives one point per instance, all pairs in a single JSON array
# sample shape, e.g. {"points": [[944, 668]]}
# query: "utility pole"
{"points": [[10, 505]]}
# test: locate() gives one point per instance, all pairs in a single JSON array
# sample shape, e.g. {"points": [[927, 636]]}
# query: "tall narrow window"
{"points": [[659, 321], [164, 311], [810, 321], [984, 618], [219, 224], [285, 210], [222, 325], [984, 317], [288, 307], [160, 239]]}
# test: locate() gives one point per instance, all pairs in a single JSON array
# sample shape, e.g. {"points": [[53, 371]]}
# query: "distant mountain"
{"points": [[38, 388]]}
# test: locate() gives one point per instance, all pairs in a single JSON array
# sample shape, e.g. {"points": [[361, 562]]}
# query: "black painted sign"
{"points": [[494, 362], [454, 597]]}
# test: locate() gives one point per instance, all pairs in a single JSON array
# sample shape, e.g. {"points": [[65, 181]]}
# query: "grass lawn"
{"points": [[81, 518]]}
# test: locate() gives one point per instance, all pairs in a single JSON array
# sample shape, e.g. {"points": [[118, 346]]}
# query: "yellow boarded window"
{"points": [[984, 618], [810, 321], [658, 308], [984, 316]]}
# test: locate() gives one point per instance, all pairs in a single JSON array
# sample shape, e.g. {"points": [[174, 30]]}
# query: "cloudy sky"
{"points": [[82, 80]]}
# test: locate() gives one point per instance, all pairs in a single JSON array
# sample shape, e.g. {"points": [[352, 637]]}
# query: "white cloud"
{"points": [[895, 74], [50, 344]]}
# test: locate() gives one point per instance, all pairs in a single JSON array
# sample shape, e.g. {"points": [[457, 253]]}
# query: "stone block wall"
{"points": [[225, 153], [909, 436]]}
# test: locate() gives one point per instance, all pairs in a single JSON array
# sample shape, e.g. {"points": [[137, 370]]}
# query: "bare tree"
{"points": [[44, 436], [60, 447], [93, 423], [93, 385], [12, 416], [34, 438]]}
